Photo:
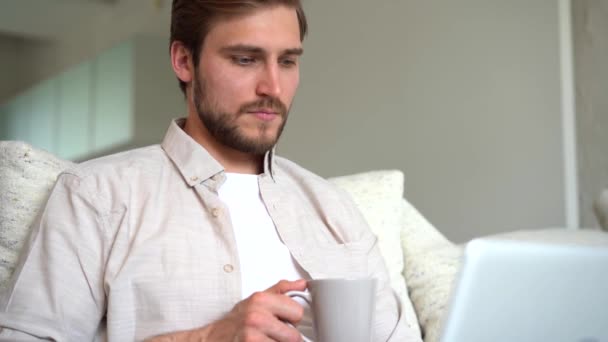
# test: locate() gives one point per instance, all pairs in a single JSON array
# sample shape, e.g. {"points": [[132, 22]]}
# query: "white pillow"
{"points": [[431, 264], [378, 196], [27, 176]]}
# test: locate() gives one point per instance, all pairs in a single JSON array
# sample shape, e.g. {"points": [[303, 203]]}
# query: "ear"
{"points": [[181, 61]]}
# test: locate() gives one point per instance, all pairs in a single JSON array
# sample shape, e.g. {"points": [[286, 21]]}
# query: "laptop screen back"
{"points": [[521, 291]]}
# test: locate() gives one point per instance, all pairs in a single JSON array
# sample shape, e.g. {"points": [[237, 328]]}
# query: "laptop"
{"points": [[515, 291]]}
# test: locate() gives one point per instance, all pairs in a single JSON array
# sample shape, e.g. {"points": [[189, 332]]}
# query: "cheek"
{"points": [[290, 86], [229, 89]]}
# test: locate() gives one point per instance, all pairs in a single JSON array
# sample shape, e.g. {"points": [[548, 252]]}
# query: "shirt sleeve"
{"points": [[56, 291], [9, 335]]}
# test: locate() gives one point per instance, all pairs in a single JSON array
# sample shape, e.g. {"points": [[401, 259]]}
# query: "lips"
{"points": [[264, 114], [263, 110]]}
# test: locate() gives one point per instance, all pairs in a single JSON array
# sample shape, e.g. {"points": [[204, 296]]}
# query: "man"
{"points": [[199, 238]]}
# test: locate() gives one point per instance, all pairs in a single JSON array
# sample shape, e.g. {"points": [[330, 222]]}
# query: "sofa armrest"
{"points": [[27, 176]]}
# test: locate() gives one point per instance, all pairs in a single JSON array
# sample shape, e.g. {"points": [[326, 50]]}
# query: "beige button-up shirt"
{"points": [[138, 244]]}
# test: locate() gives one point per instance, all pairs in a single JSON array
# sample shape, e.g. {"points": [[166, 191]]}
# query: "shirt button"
{"points": [[228, 268], [194, 178], [216, 212]]}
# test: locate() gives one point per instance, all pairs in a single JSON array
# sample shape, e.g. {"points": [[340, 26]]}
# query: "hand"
{"points": [[261, 317]]}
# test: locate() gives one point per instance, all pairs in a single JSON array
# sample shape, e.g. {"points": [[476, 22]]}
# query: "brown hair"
{"points": [[191, 20]]}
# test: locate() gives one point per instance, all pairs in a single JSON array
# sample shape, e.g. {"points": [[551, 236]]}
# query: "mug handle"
{"points": [[308, 299]]}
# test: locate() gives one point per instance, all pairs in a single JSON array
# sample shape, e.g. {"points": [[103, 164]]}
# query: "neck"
{"points": [[232, 160]]}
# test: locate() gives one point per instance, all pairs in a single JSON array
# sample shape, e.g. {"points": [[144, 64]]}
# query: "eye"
{"points": [[288, 62], [242, 60]]}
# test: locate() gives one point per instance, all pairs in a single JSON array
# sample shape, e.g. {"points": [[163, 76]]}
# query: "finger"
{"points": [[252, 334], [286, 285], [279, 305], [268, 325]]}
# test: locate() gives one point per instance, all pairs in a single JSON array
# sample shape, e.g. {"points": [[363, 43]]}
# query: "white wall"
{"points": [[590, 19], [462, 96]]}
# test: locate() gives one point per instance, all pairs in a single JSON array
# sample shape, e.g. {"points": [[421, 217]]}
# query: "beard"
{"points": [[223, 125]]}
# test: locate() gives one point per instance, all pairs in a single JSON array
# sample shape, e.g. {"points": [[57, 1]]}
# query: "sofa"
{"points": [[422, 263]]}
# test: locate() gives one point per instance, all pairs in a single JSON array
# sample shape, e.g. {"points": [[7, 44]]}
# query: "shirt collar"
{"points": [[269, 163], [193, 161]]}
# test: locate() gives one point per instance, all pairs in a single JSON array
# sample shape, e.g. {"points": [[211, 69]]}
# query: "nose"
{"points": [[269, 82]]}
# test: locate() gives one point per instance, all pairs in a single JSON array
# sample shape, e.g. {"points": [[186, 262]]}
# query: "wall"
{"points": [[83, 109], [590, 20], [9, 74], [109, 25], [462, 96], [157, 95], [123, 98]]}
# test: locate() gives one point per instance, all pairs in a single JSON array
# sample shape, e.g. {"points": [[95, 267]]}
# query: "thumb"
{"points": [[286, 286]]}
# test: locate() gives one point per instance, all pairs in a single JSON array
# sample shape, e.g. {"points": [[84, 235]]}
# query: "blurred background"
{"points": [[496, 111]]}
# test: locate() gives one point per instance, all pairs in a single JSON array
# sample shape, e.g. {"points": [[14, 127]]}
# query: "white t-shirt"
{"points": [[263, 257]]}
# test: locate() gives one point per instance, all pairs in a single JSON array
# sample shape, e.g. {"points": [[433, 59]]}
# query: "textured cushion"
{"points": [[26, 178], [431, 264], [378, 195]]}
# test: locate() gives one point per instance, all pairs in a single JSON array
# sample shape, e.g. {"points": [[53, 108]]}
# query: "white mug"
{"points": [[342, 309]]}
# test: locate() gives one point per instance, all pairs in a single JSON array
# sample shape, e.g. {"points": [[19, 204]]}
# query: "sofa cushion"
{"points": [[26, 178], [431, 265], [378, 195]]}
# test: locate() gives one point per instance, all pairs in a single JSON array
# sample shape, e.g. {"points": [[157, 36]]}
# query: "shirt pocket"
{"points": [[164, 304], [342, 260]]}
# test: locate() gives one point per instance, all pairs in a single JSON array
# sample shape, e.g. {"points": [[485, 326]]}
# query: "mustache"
{"points": [[271, 103]]}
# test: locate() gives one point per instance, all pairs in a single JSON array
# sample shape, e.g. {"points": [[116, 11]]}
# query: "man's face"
{"points": [[247, 77]]}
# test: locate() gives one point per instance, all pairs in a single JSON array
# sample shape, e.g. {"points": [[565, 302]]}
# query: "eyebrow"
{"points": [[242, 48]]}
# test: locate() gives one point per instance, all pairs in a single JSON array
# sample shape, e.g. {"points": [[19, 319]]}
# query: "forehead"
{"points": [[269, 28]]}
